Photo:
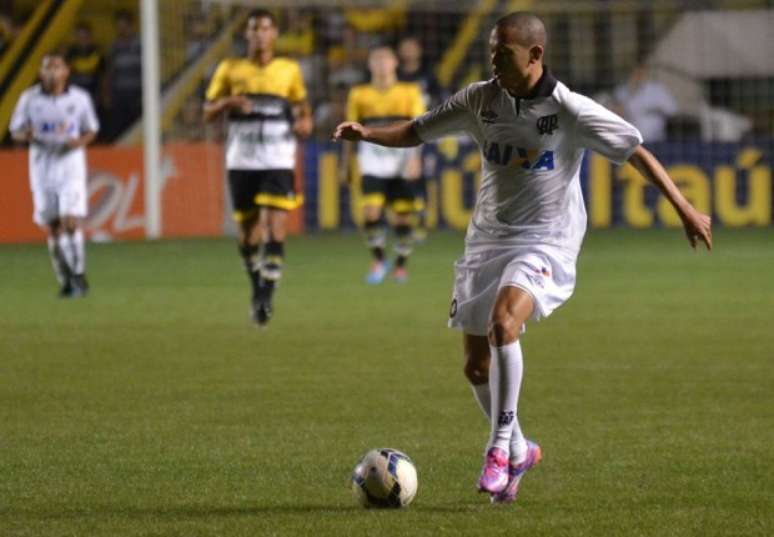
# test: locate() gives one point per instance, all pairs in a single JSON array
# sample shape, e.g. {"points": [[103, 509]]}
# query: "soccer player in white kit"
{"points": [[57, 120], [529, 220]]}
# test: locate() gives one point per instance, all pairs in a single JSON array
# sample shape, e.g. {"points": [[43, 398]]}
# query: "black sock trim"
{"points": [[274, 248], [403, 230]]}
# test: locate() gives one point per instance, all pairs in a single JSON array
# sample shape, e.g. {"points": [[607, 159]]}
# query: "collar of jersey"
{"points": [[544, 87], [65, 92]]}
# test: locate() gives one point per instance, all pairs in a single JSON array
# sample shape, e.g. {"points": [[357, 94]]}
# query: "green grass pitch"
{"points": [[153, 407]]}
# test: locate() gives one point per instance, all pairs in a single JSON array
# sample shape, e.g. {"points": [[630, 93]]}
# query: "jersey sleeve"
{"points": [[352, 111], [608, 134], [452, 116], [297, 90], [88, 120], [219, 86], [20, 118]]}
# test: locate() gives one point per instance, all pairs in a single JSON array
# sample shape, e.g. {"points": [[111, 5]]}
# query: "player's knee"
{"points": [[476, 372], [70, 225], [54, 227], [503, 329]]}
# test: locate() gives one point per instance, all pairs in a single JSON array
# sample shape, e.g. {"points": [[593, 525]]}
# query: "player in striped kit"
{"points": [[388, 173], [529, 220], [57, 120], [264, 99]]}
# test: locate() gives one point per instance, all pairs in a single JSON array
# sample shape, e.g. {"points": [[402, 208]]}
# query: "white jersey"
{"points": [[57, 174], [53, 120], [531, 150]]}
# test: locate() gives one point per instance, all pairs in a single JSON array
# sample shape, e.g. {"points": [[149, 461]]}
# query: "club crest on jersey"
{"points": [[547, 124], [526, 159], [487, 116]]}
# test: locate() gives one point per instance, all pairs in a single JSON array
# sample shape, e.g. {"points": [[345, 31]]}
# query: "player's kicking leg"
{"points": [[477, 367], [507, 445]]}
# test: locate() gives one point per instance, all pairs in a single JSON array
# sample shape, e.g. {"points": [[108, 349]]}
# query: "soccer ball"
{"points": [[384, 478]]}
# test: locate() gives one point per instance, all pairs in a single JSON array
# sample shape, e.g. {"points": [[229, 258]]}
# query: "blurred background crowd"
{"points": [[655, 63]]}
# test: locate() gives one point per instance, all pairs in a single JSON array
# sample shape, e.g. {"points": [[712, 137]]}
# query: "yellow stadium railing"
{"points": [[56, 28]]}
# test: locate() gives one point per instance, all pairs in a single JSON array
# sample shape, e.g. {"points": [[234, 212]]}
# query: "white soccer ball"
{"points": [[384, 478]]}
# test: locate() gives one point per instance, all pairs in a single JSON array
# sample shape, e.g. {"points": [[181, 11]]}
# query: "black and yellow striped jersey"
{"points": [[261, 139], [370, 105]]}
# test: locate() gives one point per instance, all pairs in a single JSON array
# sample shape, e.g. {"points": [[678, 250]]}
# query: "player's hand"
{"points": [[698, 227], [350, 130], [239, 103], [302, 126], [72, 143]]}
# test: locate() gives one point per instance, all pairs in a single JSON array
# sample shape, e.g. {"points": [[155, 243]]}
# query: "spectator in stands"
{"points": [[413, 69], [197, 36], [298, 37], [122, 94], [331, 111], [645, 103], [86, 61], [187, 125], [346, 59]]}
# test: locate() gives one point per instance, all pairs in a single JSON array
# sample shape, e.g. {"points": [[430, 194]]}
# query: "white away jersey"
{"points": [[531, 150], [54, 119]]}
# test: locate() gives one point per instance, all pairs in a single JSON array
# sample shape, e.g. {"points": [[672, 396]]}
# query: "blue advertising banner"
{"points": [[730, 181]]}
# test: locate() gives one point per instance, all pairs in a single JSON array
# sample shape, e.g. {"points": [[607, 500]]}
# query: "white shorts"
{"points": [[58, 189], [545, 273]]}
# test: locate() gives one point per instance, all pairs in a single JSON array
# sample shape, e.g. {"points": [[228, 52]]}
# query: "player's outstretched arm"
{"points": [[400, 134], [698, 226]]}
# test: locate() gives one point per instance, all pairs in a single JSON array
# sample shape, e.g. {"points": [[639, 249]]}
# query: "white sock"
{"points": [[60, 268], [66, 250], [518, 451], [79, 246], [483, 396], [505, 382]]}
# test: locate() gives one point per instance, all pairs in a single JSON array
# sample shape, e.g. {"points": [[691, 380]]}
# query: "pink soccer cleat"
{"points": [[494, 475], [516, 472]]}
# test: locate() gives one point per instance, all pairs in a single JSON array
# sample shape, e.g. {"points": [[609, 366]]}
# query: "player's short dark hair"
{"points": [[379, 44], [261, 13], [83, 25], [410, 37], [529, 25]]}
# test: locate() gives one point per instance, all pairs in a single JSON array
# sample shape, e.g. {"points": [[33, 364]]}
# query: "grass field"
{"points": [[154, 408]]}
